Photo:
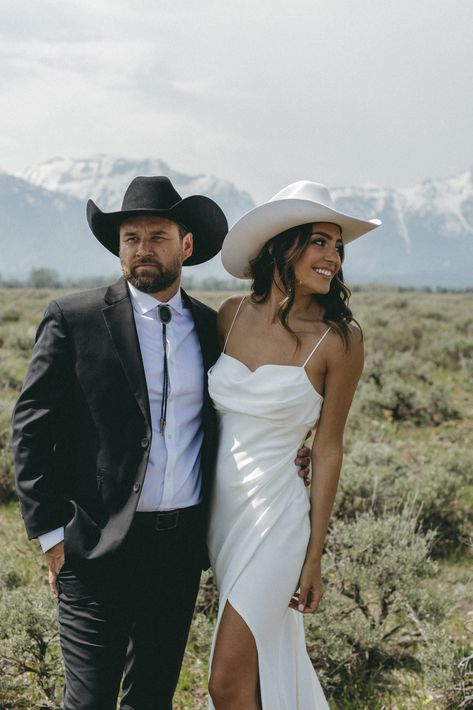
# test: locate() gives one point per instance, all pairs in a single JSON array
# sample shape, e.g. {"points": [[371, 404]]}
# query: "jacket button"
{"points": [[145, 443], [136, 486]]}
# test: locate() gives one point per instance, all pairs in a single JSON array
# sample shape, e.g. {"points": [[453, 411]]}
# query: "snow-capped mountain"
{"points": [[39, 228], [104, 178], [426, 237]]}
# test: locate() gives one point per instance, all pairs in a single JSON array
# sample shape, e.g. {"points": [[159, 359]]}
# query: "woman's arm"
{"points": [[344, 369]]}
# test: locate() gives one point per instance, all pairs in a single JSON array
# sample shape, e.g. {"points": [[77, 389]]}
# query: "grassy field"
{"points": [[395, 628]]}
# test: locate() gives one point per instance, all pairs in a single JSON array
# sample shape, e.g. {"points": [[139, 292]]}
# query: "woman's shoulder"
{"points": [[229, 307], [355, 333], [344, 344], [226, 314]]}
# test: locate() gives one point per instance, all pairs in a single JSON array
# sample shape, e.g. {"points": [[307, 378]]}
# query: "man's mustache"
{"points": [[145, 262]]}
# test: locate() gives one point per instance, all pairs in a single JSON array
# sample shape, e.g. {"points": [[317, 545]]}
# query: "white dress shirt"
{"points": [[172, 478]]}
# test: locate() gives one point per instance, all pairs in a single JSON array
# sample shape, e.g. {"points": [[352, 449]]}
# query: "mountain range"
{"points": [[426, 238]]}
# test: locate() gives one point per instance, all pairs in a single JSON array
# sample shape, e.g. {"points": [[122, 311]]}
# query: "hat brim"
{"points": [[250, 233], [201, 215]]}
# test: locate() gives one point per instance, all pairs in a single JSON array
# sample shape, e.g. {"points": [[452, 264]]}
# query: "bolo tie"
{"points": [[165, 316]]}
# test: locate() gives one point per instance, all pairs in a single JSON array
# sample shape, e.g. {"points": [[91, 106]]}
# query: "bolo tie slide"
{"points": [[165, 316]]}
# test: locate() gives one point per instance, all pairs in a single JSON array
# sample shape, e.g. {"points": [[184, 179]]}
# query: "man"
{"points": [[114, 438]]}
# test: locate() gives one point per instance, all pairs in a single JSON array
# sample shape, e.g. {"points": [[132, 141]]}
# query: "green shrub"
{"points": [[401, 335], [373, 616], [448, 671], [10, 315], [19, 337], [10, 576], [12, 373], [30, 664], [376, 479], [458, 461], [7, 476], [456, 352], [464, 325], [381, 624], [369, 481], [438, 495], [399, 400]]}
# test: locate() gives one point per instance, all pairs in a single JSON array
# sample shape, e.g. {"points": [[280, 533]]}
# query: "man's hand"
{"points": [[55, 560], [303, 460]]}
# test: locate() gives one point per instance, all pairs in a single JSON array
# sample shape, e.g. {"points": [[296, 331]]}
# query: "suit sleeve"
{"points": [[37, 424]]}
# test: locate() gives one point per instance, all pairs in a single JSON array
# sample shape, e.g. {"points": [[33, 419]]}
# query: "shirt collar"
{"points": [[143, 302]]}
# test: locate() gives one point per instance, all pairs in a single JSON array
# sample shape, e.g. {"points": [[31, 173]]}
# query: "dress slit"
{"points": [[223, 605]]}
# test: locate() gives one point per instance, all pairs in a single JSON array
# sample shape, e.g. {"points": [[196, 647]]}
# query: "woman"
{"points": [[291, 352]]}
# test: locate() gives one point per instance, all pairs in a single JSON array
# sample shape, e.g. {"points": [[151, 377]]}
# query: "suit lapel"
{"points": [[207, 338], [118, 315], [206, 329]]}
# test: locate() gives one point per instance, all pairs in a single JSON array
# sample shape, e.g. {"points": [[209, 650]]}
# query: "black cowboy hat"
{"points": [[156, 196]]}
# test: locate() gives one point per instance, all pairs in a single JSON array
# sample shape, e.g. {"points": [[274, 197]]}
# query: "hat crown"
{"points": [[150, 193], [305, 190]]}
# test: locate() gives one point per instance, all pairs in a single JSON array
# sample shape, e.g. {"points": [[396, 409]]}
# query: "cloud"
{"points": [[263, 93], [47, 20], [195, 87]]}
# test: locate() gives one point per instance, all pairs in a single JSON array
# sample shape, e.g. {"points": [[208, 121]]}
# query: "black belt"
{"points": [[169, 519]]}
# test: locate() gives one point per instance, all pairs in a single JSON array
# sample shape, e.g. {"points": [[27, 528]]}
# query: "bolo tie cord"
{"points": [[165, 317]]}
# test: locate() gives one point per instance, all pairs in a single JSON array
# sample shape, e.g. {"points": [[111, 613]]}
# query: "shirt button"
{"points": [[144, 443], [136, 486]]}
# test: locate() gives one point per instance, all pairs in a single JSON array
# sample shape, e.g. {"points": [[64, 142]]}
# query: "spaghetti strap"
{"points": [[233, 323], [316, 346]]}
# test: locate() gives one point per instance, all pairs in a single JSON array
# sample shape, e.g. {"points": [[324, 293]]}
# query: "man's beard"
{"points": [[155, 282]]}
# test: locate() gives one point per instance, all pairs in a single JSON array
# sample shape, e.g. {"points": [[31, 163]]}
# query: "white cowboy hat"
{"points": [[301, 202]]}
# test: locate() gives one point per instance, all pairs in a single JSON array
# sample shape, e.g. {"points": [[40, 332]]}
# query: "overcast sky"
{"points": [[261, 92]]}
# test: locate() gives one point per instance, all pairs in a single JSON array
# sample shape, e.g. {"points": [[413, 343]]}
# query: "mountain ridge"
{"points": [[426, 237]]}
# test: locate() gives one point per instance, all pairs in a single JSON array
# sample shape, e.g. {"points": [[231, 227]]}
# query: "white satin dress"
{"points": [[259, 522]]}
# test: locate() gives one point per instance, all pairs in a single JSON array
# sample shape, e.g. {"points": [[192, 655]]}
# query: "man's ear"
{"points": [[187, 245]]}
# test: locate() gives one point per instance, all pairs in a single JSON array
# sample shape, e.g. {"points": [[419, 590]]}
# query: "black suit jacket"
{"points": [[82, 426]]}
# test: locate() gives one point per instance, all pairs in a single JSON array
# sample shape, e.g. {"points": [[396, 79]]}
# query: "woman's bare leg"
{"points": [[234, 677]]}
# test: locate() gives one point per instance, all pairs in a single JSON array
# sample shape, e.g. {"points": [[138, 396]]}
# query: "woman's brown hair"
{"points": [[279, 255]]}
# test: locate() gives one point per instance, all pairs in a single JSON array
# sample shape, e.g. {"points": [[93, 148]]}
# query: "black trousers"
{"points": [[128, 616]]}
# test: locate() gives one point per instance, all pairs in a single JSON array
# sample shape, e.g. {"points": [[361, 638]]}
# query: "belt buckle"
{"points": [[167, 520]]}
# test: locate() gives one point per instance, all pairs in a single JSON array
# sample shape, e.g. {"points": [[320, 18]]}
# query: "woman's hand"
{"points": [[311, 589]]}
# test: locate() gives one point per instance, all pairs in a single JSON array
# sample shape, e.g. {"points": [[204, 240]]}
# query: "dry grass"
{"points": [[429, 339]]}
